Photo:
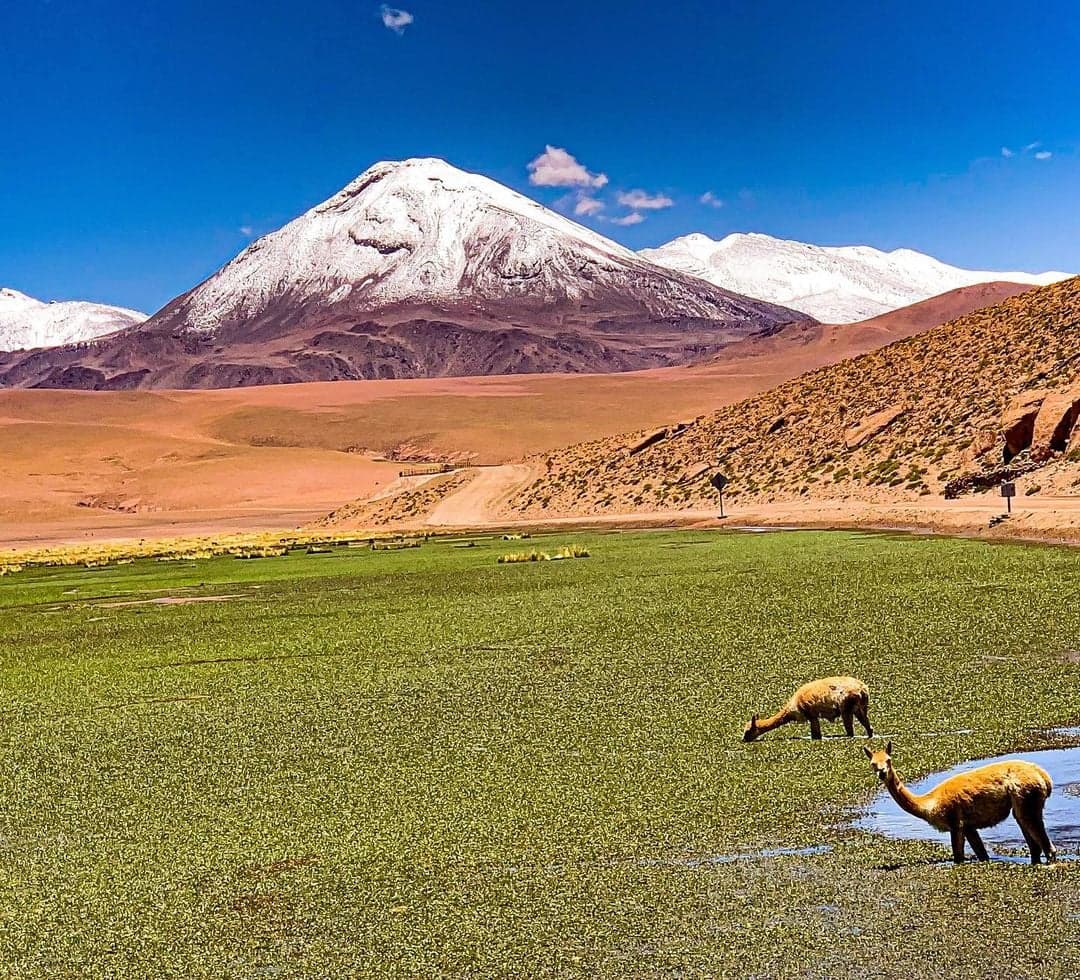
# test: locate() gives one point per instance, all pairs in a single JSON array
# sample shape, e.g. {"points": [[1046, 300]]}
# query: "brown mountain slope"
{"points": [[992, 394], [832, 342]]}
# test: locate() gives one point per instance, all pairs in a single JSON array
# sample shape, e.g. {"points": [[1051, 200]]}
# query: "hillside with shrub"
{"points": [[990, 396]]}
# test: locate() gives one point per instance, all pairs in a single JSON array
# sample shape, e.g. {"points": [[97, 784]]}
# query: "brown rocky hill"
{"points": [[992, 395]]}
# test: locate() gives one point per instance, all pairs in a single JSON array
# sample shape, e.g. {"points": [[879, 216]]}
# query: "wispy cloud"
{"points": [[642, 200], [588, 206], [394, 19], [555, 167], [246, 230], [634, 218], [711, 200], [1033, 149]]}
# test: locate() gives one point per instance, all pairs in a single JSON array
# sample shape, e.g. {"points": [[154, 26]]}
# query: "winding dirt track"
{"points": [[479, 501]]}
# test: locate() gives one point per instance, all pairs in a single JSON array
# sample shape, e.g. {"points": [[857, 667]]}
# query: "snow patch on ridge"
{"points": [[835, 285], [27, 323]]}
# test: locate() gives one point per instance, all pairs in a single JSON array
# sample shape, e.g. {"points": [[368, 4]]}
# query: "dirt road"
{"points": [[478, 502]]}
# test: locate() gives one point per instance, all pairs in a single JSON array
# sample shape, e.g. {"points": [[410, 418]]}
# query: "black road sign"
{"points": [[1008, 491], [719, 481]]}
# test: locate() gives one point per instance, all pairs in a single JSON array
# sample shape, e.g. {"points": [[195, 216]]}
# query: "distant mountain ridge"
{"points": [[416, 269], [834, 285], [26, 322]]}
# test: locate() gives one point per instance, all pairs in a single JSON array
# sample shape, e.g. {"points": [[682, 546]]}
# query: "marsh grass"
{"points": [[415, 764], [560, 554], [520, 557]]}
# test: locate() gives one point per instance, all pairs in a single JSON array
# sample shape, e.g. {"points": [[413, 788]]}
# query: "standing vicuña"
{"points": [[965, 804], [829, 698]]}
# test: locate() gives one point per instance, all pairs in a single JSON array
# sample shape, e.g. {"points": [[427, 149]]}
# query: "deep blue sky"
{"points": [[137, 140]]}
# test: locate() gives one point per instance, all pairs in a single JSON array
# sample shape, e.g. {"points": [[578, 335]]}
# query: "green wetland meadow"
{"points": [[423, 763]]}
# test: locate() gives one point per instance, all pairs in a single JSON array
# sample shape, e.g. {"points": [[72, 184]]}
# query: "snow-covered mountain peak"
{"points": [[835, 284], [26, 322], [423, 232]]}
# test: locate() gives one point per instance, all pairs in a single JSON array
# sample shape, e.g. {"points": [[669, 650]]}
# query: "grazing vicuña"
{"points": [[829, 698]]}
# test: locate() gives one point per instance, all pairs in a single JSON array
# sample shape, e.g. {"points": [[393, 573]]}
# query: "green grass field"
{"points": [[423, 763]]}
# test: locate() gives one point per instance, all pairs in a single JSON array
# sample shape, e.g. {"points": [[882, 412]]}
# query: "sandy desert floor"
{"points": [[78, 464]]}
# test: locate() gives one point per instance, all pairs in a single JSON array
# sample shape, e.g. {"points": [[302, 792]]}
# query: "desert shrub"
{"points": [[395, 545], [518, 557], [249, 553]]}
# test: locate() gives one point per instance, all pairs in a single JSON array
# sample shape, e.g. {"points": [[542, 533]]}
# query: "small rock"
{"points": [[650, 440], [872, 425]]}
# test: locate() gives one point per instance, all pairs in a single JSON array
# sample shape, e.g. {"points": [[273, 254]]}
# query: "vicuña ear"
{"points": [[753, 718], [869, 754], [888, 748]]}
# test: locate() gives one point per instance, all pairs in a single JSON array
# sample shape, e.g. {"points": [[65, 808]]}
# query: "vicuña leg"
{"points": [[1030, 838], [864, 719], [848, 714], [956, 834], [1032, 807], [815, 728], [976, 843]]}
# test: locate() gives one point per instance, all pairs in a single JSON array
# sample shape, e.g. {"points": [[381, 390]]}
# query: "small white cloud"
{"points": [[557, 168], [588, 206], [246, 230], [394, 19], [642, 200], [711, 200], [631, 219], [1006, 152], [1032, 146], [1043, 155]]}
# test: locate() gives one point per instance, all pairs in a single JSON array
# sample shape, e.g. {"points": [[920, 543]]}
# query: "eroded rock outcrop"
{"points": [[1054, 425], [872, 425], [1018, 422]]}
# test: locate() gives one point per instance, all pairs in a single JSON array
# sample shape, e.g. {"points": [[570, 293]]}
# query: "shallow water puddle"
{"points": [[762, 529], [1062, 811]]}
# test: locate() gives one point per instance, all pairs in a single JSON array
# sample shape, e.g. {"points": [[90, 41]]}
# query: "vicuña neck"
{"points": [[768, 724], [905, 799]]}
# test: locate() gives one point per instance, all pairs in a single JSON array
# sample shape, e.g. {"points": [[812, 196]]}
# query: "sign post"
{"points": [[1008, 491], [719, 481]]}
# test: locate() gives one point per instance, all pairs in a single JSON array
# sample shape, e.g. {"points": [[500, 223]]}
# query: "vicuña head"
{"points": [[830, 698], [971, 801], [881, 762]]}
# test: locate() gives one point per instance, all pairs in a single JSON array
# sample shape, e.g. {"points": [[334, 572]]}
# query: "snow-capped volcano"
{"points": [[834, 285], [417, 269], [423, 233], [27, 322]]}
